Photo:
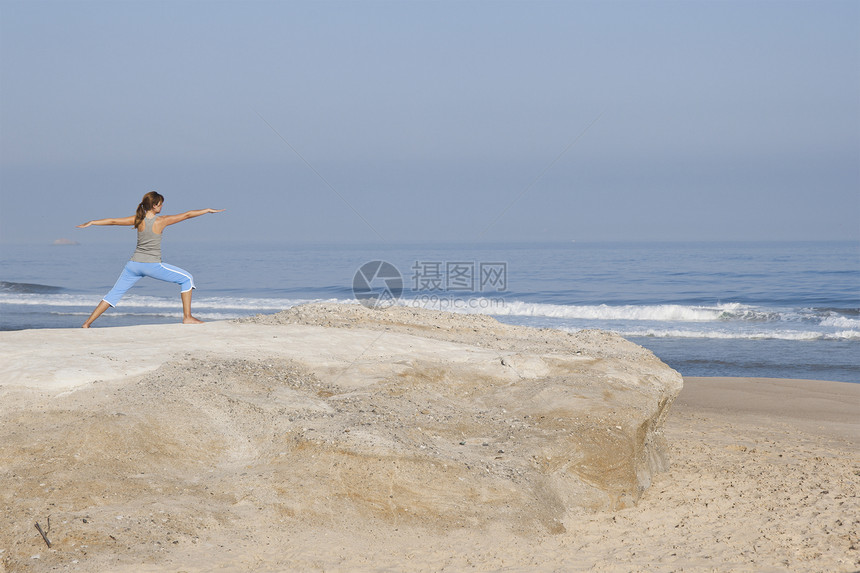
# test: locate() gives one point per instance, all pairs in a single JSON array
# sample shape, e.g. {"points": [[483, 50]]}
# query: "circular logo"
{"points": [[377, 284]]}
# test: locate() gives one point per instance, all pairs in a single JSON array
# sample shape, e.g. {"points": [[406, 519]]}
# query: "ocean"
{"points": [[786, 310]]}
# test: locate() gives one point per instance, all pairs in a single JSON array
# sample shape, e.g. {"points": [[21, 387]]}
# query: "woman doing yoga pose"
{"points": [[146, 260]]}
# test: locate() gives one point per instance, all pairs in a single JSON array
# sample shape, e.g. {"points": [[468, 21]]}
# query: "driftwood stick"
{"points": [[42, 533]]}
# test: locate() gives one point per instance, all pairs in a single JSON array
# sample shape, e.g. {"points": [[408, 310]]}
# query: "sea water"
{"points": [[789, 310]]}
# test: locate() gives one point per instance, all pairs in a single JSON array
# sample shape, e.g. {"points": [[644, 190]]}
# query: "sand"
{"points": [[764, 474]]}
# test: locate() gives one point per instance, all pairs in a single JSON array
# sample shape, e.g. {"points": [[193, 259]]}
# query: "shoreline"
{"points": [[811, 405], [802, 399]]}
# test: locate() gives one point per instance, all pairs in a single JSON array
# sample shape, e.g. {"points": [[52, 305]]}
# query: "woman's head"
{"points": [[149, 201]]}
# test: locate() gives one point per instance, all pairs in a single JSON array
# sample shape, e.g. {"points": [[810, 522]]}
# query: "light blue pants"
{"points": [[133, 272]]}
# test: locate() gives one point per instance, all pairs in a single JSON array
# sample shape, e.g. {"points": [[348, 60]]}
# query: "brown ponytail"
{"points": [[149, 200]]}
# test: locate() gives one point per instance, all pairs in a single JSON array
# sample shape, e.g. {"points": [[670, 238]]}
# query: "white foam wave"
{"points": [[726, 312], [846, 335], [840, 322], [258, 304], [146, 301], [660, 312], [797, 335], [49, 300], [726, 321], [177, 315]]}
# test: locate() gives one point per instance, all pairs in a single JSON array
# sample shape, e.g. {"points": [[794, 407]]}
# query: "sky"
{"points": [[444, 121]]}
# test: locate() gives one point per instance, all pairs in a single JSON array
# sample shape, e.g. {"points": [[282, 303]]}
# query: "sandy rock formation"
{"points": [[324, 416], [542, 424]]}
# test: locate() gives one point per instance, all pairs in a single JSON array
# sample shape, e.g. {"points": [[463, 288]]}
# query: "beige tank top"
{"points": [[148, 244]]}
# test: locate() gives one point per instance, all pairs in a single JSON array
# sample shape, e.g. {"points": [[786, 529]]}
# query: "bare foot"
{"points": [[85, 326], [191, 320]]}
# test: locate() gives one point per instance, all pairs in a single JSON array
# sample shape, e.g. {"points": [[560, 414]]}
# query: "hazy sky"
{"points": [[446, 121]]}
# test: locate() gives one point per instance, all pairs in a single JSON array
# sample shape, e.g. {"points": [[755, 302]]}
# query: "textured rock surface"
{"points": [[545, 422], [323, 415]]}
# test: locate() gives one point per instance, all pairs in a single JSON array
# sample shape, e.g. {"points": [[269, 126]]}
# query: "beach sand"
{"points": [[764, 475]]}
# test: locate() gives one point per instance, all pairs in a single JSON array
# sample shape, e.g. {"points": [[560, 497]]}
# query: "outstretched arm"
{"points": [[166, 220], [126, 221]]}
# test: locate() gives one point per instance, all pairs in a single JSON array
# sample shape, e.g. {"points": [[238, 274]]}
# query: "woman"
{"points": [[146, 260]]}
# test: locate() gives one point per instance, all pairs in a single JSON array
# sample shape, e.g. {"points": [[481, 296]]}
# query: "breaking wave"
{"points": [[719, 321], [798, 335]]}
